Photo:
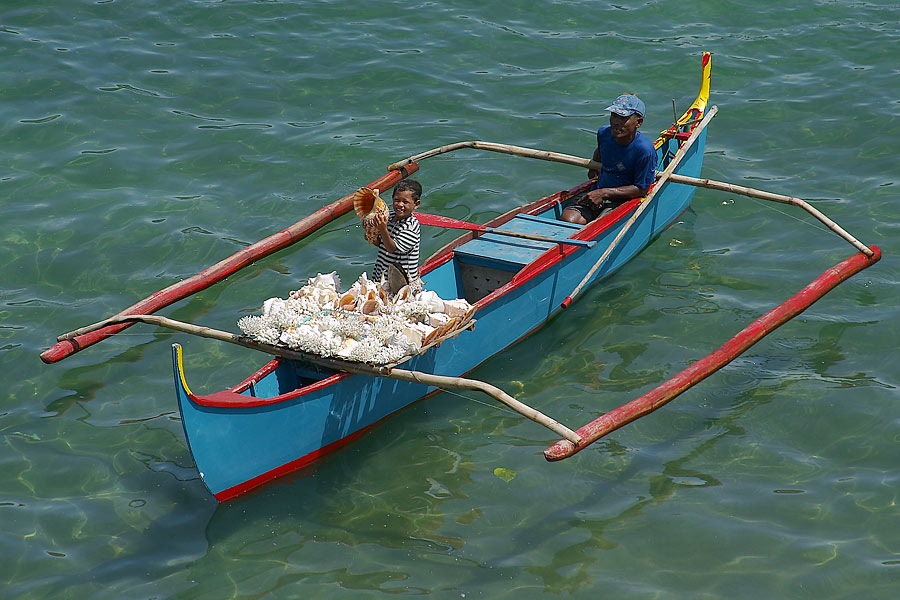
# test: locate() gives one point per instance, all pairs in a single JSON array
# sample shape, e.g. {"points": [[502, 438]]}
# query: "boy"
{"points": [[399, 235]]}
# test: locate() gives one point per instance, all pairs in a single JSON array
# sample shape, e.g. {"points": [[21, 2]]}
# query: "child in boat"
{"points": [[399, 235]]}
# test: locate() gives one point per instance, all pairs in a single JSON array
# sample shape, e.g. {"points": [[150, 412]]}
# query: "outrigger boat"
{"points": [[519, 271]]}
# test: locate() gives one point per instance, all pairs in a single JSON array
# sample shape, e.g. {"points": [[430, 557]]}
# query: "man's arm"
{"points": [[645, 172], [592, 173]]}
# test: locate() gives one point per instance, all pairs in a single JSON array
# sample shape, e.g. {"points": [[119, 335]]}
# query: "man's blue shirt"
{"points": [[634, 164]]}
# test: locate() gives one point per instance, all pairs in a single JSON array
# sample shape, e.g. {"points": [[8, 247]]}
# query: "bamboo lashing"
{"points": [[703, 368], [440, 381], [222, 269], [645, 203]]}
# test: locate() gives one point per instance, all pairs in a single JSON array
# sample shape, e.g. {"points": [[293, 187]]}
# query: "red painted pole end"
{"points": [[57, 352], [566, 302]]}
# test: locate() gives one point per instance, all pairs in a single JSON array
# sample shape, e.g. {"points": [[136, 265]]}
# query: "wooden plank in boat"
{"points": [[511, 254]]}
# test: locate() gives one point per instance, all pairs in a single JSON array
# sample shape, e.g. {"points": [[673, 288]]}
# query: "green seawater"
{"points": [[145, 141]]}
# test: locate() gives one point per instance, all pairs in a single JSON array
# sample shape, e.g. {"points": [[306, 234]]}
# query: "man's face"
{"points": [[623, 129]]}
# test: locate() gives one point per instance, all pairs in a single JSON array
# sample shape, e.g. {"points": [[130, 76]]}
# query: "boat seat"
{"points": [[505, 253]]}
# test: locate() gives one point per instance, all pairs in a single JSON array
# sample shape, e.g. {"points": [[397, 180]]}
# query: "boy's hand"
{"points": [[384, 238]]}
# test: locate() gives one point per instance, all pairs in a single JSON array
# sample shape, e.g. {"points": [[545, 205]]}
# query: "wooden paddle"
{"points": [[440, 221]]}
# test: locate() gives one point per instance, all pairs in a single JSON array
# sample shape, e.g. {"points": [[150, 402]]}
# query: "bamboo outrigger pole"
{"points": [[522, 151], [587, 163], [708, 365], [69, 345], [752, 193], [439, 381]]}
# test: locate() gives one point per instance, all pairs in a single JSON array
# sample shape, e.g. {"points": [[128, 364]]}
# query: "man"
{"points": [[628, 163]]}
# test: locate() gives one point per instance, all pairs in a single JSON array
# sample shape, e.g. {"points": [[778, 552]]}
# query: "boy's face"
{"points": [[404, 204]]}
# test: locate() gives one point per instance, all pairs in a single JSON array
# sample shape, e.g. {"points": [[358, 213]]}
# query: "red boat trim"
{"points": [[555, 255], [436, 261], [708, 365], [290, 467], [231, 399], [262, 372], [295, 465]]}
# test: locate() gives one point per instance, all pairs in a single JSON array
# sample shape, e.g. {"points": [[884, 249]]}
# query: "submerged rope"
{"points": [[769, 206], [494, 406]]}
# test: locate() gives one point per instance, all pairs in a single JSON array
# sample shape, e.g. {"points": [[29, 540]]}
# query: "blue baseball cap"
{"points": [[626, 105]]}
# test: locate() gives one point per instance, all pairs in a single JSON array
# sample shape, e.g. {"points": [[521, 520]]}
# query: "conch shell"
{"points": [[404, 295], [458, 308], [367, 204], [348, 300], [372, 306]]}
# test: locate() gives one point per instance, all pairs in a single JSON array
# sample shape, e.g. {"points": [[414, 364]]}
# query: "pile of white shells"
{"points": [[363, 324]]}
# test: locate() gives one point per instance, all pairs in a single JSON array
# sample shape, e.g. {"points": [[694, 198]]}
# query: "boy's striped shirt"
{"points": [[406, 236]]}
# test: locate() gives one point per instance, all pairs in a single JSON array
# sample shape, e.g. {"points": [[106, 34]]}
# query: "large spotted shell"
{"points": [[367, 204]]}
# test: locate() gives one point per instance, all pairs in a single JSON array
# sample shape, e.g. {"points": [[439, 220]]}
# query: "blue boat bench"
{"points": [[491, 260]]}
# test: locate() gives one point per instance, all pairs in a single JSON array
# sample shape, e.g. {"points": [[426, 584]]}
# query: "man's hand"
{"points": [[615, 195], [598, 197]]}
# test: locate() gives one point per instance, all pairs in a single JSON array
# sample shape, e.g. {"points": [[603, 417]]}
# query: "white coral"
{"points": [[374, 330]]}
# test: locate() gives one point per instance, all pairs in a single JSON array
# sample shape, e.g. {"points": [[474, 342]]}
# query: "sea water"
{"points": [[145, 141]]}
